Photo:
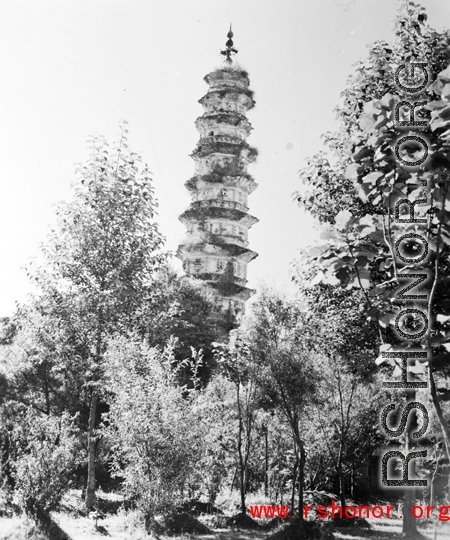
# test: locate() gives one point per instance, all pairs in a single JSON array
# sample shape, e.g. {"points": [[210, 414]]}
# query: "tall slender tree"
{"points": [[286, 371], [235, 359], [99, 264]]}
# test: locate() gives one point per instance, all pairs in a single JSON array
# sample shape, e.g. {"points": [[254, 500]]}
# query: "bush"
{"points": [[306, 530], [175, 524], [150, 427], [46, 458]]}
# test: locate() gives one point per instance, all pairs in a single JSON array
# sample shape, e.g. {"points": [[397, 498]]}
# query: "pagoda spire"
{"points": [[215, 248], [230, 51]]}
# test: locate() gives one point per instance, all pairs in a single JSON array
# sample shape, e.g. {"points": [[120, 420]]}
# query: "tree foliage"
{"points": [[47, 452], [236, 362], [97, 271], [286, 370], [150, 426], [362, 179]]}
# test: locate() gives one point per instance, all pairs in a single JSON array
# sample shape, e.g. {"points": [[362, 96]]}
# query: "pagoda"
{"points": [[217, 221]]}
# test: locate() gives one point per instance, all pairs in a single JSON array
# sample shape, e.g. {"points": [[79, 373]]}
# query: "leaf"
{"points": [[318, 279], [435, 105], [417, 368], [382, 360], [385, 320], [367, 220], [351, 172], [379, 289], [315, 252], [397, 372], [343, 219], [366, 122], [372, 178]]}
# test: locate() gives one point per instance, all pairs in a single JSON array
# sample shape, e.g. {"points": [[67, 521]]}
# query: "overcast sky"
{"points": [[72, 68]]}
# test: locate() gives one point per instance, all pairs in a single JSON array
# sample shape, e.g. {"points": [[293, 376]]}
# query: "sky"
{"points": [[73, 68]]}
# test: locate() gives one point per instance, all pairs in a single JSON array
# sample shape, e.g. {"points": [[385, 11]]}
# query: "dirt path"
{"points": [[390, 529], [84, 529], [225, 534]]}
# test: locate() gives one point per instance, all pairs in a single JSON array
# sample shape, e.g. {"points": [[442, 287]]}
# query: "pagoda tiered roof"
{"points": [[217, 220], [200, 213], [244, 182]]}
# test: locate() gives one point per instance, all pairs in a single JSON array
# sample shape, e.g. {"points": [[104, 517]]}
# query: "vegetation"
{"points": [[123, 390], [353, 197]]}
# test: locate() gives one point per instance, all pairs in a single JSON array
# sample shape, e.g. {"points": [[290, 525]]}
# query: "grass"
{"points": [[119, 524], [389, 529]]}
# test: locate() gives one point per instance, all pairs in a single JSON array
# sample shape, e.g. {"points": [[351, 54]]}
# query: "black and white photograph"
{"points": [[225, 269]]}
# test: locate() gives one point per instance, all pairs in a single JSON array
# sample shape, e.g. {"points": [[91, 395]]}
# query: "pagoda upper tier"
{"points": [[217, 220]]}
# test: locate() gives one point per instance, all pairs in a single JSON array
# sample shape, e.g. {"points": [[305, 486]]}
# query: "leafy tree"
{"points": [[47, 453], [286, 371], [280, 456], [102, 273], [346, 415], [98, 266], [43, 366], [364, 180], [151, 426], [215, 420], [336, 319], [219, 467], [236, 362], [347, 341], [180, 306]]}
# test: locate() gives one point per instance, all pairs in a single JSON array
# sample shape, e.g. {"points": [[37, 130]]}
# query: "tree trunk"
{"points": [[301, 480], [431, 325], [409, 522], [409, 498], [266, 463], [243, 482], [90, 483], [90, 488], [294, 480], [239, 446], [435, 473], [341, 476], [352, 483], [234, 479]]}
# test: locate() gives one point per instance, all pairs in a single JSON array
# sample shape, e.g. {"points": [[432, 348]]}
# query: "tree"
{"points": [[93, 286], [346, 413], [347, 340], [215, 417], [151, 426], [236, 362], [180, 306], [359, 247], [99, 263], [286, 371]]}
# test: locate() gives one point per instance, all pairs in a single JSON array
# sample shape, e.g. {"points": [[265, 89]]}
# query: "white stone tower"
{"points": [[217, 220]]}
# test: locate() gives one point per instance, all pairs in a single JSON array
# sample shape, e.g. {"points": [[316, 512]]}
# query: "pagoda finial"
{"points": [[230, 50]]}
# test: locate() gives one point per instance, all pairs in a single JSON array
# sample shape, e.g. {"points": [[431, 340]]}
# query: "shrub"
{"points": [[46, 458], [150, 427]]}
